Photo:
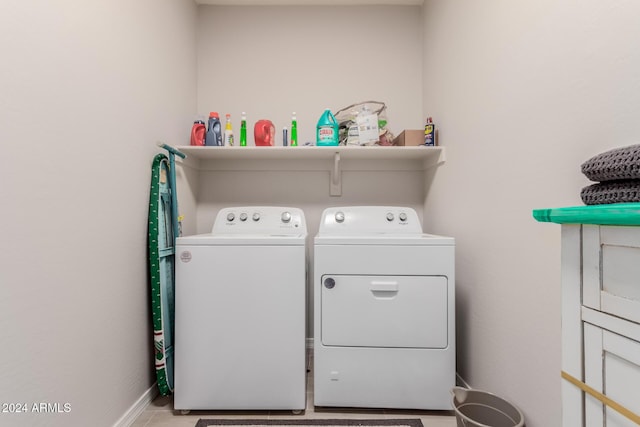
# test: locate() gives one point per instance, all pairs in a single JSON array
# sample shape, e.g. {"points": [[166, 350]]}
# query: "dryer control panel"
{"points": [[357, 220], [263, 220]]}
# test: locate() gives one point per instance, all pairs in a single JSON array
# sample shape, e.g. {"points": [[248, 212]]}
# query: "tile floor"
{"points": [[160, 413]]}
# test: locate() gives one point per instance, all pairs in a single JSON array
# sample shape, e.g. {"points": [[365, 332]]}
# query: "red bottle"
{"points": [[264, 133], [198, 131]]}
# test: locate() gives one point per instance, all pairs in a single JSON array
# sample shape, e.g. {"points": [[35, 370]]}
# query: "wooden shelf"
{"points": [[436, 154], [307, 158]]}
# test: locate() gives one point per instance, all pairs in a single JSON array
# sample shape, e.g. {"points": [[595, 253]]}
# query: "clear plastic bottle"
{"points": [[294, 130], [243, 130], [228, 132]]}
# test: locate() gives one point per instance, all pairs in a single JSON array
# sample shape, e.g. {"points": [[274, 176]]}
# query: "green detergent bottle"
{"points": [[327, 130]]}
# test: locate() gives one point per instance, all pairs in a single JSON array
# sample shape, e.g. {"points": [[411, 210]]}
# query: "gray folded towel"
{"points": [[624, 191], [617, 164]]}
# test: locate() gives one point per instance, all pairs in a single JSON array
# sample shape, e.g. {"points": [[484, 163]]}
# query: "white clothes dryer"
{"points": [[384, 311], [240, 313]]}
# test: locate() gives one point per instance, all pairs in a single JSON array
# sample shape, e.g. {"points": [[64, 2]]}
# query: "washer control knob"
{"points": [[243, 216], [402, 216], [339, 216], [285, 217], [329, 283], [256, 216], [390, 217], [231, 216]]}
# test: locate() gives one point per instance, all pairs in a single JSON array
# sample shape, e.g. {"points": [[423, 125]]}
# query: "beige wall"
{"points": [[87, 90], [271, 61], [523, 93]]}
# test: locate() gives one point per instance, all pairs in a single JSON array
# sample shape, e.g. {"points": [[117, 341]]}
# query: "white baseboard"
{"points": [[138, 407]]}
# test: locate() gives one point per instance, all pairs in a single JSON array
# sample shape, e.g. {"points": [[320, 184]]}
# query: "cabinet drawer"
{"points": [[612, 367], [611, 270]]}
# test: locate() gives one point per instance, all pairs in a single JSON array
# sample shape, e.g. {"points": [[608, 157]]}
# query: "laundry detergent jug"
{"points": [[327, 130], [198, 131], [214, 133], [264, 133]]}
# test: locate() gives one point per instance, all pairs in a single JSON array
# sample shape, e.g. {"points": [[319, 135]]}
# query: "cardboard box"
{"points": [[410, 137]]}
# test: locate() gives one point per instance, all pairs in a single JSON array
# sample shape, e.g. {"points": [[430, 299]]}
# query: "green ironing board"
{"points": [[161, 265]]}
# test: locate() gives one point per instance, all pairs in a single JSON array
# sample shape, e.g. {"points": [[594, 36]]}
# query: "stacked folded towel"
{"points": [[617, 176]]}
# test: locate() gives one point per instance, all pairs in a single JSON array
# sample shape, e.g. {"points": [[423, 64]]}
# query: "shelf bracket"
{"points": [[335, 186]]}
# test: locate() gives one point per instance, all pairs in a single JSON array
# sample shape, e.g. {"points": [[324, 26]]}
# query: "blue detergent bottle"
{"points": [[214, 132], [327, 130]]}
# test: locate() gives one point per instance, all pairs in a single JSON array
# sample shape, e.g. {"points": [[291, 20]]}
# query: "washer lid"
{"points": [[210, 239], [386, 239]]}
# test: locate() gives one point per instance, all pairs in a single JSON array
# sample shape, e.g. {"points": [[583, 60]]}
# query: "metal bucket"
{"points": [[476, 408]]}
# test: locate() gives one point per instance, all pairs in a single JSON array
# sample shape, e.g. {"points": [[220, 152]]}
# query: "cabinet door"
{"points": [[611, 270], [612, 367]]}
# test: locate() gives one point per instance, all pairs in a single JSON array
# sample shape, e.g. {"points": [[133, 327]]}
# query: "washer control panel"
{"points": [[271, 220], [355, 220]]}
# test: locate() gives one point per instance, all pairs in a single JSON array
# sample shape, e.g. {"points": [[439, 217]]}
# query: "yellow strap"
{"points": [[602, 398]]}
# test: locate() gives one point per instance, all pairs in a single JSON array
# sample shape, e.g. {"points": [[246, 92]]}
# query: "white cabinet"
{"points": [[601, 325]]}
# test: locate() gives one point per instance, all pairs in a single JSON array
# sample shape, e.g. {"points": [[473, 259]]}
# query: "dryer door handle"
{"points": [[384, 286]]}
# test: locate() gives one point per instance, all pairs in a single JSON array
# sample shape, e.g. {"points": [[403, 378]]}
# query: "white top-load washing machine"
{"points": [[240, 312], [384, 322]]}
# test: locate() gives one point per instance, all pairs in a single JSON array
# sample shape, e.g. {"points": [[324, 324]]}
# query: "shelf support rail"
{"points": [[335, 186]]}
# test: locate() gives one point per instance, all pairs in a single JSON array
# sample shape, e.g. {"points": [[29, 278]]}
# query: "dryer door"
{"points": [[384, 311]]}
